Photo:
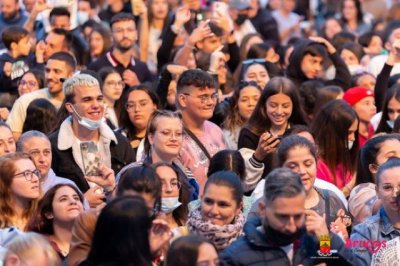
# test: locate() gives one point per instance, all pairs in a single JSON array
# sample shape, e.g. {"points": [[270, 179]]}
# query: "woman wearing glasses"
{"points": [[112, 88], [175, 193], [19, 190], [163, 144], [138, 104], [31, 81]]}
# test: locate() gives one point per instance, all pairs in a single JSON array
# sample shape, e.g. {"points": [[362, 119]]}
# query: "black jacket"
{"points": [[294, 73], [64, 165], [252, 249]]}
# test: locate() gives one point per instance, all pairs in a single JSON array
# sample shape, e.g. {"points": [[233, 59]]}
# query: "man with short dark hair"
{"points": [[196, 98], [59, 66], [10, 15], [124, 33], [286, 233]]}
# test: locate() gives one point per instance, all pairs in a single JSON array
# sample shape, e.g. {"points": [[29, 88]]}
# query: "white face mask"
{"points": [[86, 122], [168, 205], [350, 144], [390, 123], [82, 17]]}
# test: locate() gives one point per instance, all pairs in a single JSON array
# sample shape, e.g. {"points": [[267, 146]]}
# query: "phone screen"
{"points": [[90, 158]]}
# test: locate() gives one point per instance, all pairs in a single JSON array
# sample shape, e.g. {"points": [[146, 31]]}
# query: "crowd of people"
{"points": [[221, 132]]}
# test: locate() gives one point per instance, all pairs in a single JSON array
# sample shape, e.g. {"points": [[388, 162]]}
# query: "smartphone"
{"points": [[90, 158]]}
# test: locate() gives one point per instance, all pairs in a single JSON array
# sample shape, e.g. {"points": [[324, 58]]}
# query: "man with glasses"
{"points": [[121, 57], [196, 98], [84, 146]]}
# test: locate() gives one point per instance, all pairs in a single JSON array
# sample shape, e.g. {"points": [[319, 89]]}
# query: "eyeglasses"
{"points": [[28, 174], [173, 185], [205, 97], [113, 83], [254, 61], [29, 84], [346, 220], [133, 106]]}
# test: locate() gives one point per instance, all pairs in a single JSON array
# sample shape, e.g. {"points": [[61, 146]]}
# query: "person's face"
{"points": [[349, 57], [311, 66], [167, 139], [124, 35], [352, 130], [24, 46], [88, 102], [169, 180], [247, 101], [284, 214], [7, 142], [349, 9], [331, 28], [54, 44], [257, 73], [9, 9], [21, 188], [365, 109], [376, 45], [27, 84], [159, 9], [392, 38], [366, 81], [29, 5], [60, 22], [39, 149], [113, 86], [279, 108], [209, 44], [54, 71], [207, 255], [139, 108], [66, 205], [96, 43], [300, 160], [218, 205], [389, 148], [393, 109], [194, 104], [288, 5], [388, 188]]}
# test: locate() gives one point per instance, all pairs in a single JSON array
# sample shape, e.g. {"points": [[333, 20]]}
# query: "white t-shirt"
{"points": [[376, 64], [17, 115]]}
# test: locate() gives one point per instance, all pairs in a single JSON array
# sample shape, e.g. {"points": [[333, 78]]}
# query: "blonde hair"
{"points": [[28, 245]]}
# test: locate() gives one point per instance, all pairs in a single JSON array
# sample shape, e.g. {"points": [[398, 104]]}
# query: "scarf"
{"points": [[220, 235]]}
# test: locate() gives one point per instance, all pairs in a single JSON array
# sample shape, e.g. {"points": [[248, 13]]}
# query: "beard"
{"points": [[11, 15], [123, 48]]}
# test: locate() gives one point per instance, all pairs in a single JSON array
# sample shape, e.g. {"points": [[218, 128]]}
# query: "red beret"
{"points": [[356, 94]]}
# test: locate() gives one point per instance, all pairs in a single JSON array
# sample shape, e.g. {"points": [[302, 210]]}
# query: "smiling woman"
{"points": [[219, 218], [56, 215], [20, 190]]}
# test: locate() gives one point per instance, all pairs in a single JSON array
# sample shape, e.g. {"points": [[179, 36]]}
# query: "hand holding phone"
{"points": [[90, 158]]}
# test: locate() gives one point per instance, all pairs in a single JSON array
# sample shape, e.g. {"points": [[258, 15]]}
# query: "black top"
{"points": [[137, 66]]}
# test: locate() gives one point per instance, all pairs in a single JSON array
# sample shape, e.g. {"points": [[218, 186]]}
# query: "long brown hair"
{"points": [[259, 122], [330, 129], [7, 171]]}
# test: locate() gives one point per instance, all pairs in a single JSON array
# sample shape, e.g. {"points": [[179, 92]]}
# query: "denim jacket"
{"points": [[373, 234]]}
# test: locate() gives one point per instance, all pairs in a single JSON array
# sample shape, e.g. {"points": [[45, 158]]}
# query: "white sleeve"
{"points": [[17, 116], [254, 169]]}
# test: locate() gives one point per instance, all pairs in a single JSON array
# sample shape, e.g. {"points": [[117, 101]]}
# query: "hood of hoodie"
{"points": [[294, 71]]}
